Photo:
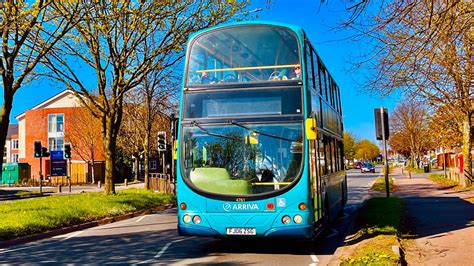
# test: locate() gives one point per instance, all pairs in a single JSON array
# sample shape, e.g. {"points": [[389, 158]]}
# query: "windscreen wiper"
{"points": [[194, 123], [260, 133]]}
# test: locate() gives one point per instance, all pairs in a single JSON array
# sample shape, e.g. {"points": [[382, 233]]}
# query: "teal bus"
{"points": [[259, 147]]}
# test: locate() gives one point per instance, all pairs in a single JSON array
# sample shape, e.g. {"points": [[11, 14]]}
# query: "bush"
{"points": [[379, 184]]}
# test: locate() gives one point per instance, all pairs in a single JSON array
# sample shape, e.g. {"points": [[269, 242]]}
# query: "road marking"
{"points": [[72, 235], [334, 232], [163, 250], [314, 259], [141, 218], [18, 249]]}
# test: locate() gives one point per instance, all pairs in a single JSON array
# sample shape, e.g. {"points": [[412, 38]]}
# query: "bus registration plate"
{"points": [[241, 231]]}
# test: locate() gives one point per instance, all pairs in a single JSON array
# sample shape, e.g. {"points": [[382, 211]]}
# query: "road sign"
{"points": [[56, 155], [59, 167]]}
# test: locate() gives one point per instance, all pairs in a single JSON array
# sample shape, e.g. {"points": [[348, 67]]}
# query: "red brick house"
{"points": [[48, 122]]}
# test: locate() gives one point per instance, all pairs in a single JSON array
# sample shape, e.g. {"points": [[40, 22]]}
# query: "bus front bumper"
{"points": [[295, 231]]}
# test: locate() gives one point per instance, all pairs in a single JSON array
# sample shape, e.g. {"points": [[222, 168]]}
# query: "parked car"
{"points": [[358, 165], [367, 167]]}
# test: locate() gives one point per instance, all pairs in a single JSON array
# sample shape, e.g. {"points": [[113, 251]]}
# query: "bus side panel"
{"points": [[336, 193]]}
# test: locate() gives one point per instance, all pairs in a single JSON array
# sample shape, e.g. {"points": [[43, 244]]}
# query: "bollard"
{"points": [[58, 189], [126, 183], [98, 184]]}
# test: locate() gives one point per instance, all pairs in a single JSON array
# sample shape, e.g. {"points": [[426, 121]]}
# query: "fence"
{"points": [[162, 183]]}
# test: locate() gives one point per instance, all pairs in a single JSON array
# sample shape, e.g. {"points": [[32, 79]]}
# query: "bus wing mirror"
{"points": [[252, 138], [311, 130], [175, 150]]}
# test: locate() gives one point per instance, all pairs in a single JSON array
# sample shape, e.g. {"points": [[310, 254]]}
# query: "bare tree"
{"points": [[423, 48], [109, 44], [409, 124], [85, 137], [27, 36]]}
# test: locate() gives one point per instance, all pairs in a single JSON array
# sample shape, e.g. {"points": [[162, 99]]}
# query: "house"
{"points": [[10, 153], [50, 122]]}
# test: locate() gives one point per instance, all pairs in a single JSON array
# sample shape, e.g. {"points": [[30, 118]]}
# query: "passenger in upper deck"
{"points": [[296, 73]]}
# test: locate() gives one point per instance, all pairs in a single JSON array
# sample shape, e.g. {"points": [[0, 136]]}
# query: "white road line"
{"points": [[141, 218], [163, 250], [314, 258], [334, 232], [16, 249], [72, 235]]}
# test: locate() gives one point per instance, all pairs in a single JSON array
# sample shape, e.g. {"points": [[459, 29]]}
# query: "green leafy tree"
{"points": [[121, 42], [366, 150], [349, 146]]}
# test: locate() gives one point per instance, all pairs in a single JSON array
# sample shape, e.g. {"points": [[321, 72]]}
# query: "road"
{"points": [[153, 239]]}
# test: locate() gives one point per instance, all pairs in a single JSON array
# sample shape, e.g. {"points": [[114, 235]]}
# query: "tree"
{"points": [[409, 124], [349, 145], [366, 150], [85, 137], [423, 49], [443, 127], [27, 36], [109, 44]]}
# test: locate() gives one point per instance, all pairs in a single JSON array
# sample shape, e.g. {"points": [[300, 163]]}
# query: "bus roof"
{"points": [[297, 29]]}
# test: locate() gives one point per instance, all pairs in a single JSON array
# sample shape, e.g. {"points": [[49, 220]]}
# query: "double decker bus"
{"points": [[259, 144]]}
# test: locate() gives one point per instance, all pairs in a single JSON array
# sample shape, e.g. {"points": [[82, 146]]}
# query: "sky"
{"points": [[318, 20]]}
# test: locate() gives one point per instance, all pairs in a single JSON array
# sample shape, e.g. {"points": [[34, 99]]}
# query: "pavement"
{"points": [[441, 219]]}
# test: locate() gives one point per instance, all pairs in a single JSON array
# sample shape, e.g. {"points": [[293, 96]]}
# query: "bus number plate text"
{"points": [[241, 231]]}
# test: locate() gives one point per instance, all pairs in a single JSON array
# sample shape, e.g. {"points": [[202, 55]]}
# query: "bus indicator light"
{"points": [[302, 206], [183, 206], [270, 205]]}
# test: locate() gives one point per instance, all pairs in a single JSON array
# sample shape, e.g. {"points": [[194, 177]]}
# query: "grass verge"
{"points": [[381, 222], [443, 182], [379, 184], [30, 216]]}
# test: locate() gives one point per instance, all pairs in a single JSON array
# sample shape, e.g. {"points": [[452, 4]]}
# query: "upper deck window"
{"points": [[244, 54]]}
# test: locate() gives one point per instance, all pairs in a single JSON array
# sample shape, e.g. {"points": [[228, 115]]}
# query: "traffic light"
{"points": [[37, 149], [162, 141], [44, 152], [67, 151]]}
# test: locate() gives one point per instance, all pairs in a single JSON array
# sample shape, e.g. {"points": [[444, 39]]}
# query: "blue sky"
{"points": [[318, 20]]}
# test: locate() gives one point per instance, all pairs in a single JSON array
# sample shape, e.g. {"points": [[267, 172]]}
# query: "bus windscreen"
{"points": [[244, 54], [242, 159]]}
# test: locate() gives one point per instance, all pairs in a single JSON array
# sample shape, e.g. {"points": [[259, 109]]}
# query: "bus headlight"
{"points": [[297, 219], [187, 218], [286, 219], [196, 219]]}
